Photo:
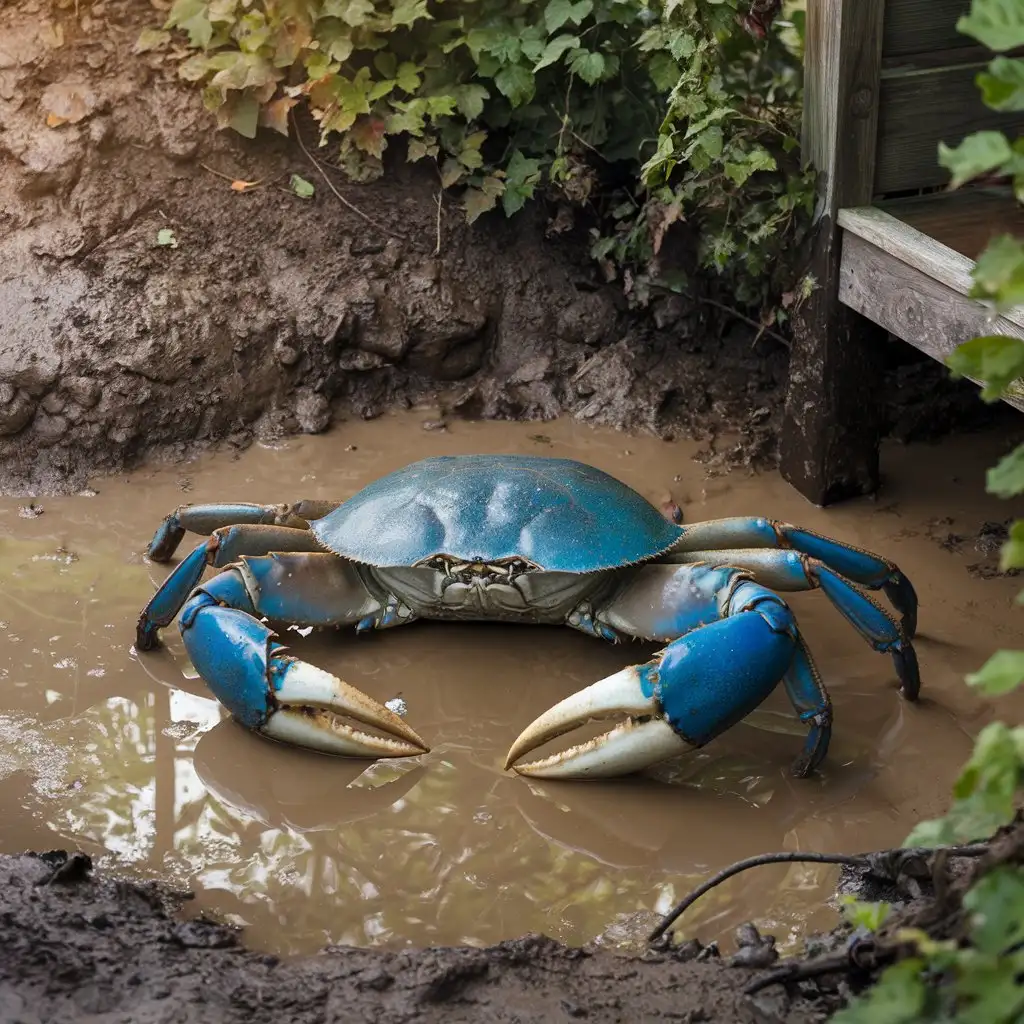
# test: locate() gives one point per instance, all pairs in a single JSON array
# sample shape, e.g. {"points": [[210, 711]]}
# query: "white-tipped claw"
{"points": [[629, 747], [310, 703]]}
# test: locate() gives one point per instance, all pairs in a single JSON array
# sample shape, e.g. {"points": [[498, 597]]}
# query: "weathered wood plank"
{"points": [[830, 433], [919, 251], [922, 26], [920, 109], [914, 306], [966, 220]]}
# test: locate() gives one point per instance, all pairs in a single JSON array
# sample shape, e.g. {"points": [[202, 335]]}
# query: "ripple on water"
{"points": [[127, 754]]}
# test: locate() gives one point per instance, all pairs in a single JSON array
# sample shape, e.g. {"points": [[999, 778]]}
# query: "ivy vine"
{"points": [[648, 113]]}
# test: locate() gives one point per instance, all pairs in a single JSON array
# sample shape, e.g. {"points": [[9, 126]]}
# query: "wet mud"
{"points": [[274, 315], [127, 757]]}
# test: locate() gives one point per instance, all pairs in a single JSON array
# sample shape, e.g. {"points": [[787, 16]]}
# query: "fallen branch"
{"points": [[761, 328], [884, 863], [861, 956]]}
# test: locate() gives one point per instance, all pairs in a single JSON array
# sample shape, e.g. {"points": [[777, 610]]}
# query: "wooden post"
{"points": [[831, 429]]}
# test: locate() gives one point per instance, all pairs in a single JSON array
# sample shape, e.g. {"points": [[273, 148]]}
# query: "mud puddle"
{"points": [[129, 758]]}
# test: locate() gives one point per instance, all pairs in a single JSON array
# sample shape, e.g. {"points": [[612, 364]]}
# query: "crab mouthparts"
{"points": [[315, 709], [643, 739]]}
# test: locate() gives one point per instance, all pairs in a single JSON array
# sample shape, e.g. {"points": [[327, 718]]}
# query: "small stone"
{"points": [[313, 412], [287, 355], [31, 511], [435, 425]]}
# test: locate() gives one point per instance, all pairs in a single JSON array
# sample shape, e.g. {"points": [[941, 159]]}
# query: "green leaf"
{"points": [[1006, 478], [589, 66], [516, 83], [999, 273], [996, 360], [165, 236], [354, 12], [470, 100], [898, 997], [1012, 554], [558, 12], [979, 153], [521, 177], [405, 12], [302, 188], [1003, 672], [1002, 86], [554, 50], [865, 915], [984, 793], [998, 24], [996, 905], [408, 77], [245, 115]]}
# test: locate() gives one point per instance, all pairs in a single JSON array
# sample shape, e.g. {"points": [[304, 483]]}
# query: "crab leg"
{"points": [[732, 642], [793, 571], [863, 567], [270, 692], [204, 519], [222, 548]]}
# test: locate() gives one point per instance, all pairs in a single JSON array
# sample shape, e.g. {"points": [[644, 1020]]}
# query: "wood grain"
{"points": [[920, 109], [907, 302], [917, 250], [923, 26], [830, 433], [965, 220]]}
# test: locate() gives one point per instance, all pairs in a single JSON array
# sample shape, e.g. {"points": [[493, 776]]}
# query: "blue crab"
{"points": [[519, 539]]}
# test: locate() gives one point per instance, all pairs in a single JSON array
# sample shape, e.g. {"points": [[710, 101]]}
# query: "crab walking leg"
{"points": [[204, 519], [863, 567], [732, 642], [222, 548], [793, 571], [270, 692]]}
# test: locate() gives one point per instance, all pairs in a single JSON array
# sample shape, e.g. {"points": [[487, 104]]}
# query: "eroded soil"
{"points": [[275, 315]]}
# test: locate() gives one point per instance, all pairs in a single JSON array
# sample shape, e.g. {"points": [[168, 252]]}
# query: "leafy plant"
{"points": [[646, 112], [981, 979]]}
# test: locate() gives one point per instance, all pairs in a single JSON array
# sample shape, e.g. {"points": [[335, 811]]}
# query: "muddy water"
{"points": [[128, 757]]}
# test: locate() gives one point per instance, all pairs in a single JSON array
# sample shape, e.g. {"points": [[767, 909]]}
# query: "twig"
{"points": [[747, 320], [803, 970], [863, 860], [437, 247], [344, 202]]}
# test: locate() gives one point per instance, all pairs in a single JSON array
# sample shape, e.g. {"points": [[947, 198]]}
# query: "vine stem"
{"points": [[348, 204], [863, 860]]}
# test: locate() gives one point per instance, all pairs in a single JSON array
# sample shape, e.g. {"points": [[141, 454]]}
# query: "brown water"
{"points": [[128, 757]]}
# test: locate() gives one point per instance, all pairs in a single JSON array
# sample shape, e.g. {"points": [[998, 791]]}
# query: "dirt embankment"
{"points": [[276, 314], [74, 948]]}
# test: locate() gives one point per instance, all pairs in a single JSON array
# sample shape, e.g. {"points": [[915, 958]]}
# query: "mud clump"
{"points": [[75, 945], [261, 313]]}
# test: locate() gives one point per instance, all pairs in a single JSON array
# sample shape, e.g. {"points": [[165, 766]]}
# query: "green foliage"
{"points": [[649, 112], [980, 980], [870, 916]]}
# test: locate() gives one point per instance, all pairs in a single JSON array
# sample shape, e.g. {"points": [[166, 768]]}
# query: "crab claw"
{"points": [[644, 738], [282, 697]]}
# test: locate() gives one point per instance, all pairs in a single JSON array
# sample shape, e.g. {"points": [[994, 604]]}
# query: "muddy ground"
{"points": [[276, 314], [75, 947]]}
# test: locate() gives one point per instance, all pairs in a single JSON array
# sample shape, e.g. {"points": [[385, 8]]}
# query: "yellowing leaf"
{"points": [[275, 114], [55, 120]]}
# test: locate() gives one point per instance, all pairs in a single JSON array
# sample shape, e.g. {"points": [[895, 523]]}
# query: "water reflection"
{"points": [[129, 756]]}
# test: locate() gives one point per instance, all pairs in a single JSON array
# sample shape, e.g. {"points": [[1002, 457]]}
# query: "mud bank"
{"points": [[77, 946], [273, 315]]}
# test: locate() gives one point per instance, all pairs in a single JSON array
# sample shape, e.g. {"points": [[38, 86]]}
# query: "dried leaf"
{"points": [[244, 186]]}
